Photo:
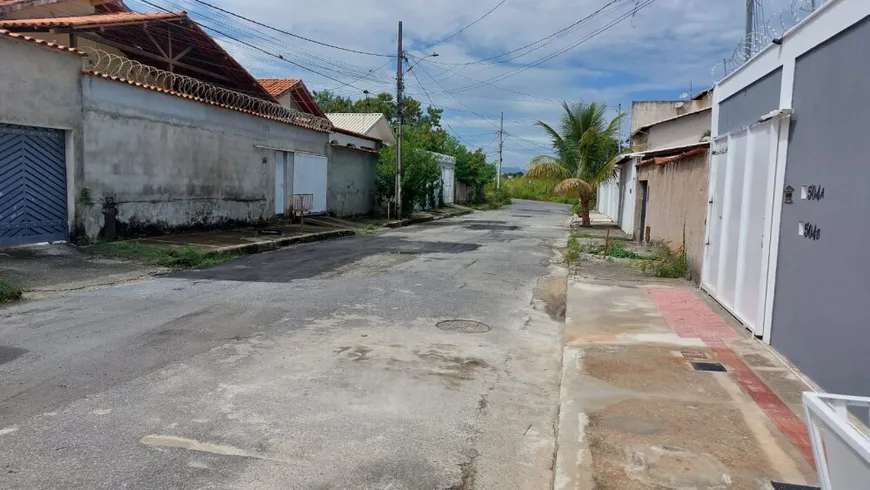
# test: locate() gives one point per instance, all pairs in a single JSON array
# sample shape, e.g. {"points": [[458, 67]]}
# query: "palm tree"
{"points": [[586, 146]]}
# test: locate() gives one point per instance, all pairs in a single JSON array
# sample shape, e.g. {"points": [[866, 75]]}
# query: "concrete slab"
{"points": [[634, 413]]}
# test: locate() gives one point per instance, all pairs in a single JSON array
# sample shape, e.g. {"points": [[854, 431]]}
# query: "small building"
{"points": [[135, 123], [787, 215], [447, 166], [374, 125]]}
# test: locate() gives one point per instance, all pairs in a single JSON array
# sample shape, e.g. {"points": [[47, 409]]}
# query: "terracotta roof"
{"points": [[190, 97], [13, 5], [673, 158], [278, 86], [47, 44], [118, 18]]}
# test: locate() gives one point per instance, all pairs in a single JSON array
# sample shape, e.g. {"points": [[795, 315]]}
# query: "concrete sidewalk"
{"points": [[635, 414]]}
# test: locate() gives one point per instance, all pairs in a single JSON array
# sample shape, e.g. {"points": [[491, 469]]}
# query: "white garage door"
{"points": [[309, 177]]}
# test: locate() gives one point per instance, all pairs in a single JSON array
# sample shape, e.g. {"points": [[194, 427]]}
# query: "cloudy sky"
{"points": [[613, 51]]}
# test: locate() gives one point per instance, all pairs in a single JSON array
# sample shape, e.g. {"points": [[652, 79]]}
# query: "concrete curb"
{"points": [[265, 246], [425, 219]]}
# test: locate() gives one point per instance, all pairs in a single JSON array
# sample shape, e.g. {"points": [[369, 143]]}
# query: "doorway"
{"points": [[280, 182], [644, 196]]}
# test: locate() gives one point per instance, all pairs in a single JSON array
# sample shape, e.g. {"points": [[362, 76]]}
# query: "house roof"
{"points": [[682, 155], [648, 126], [100, 20], [8, 6], [348, 132], [356, 122], [279, 87], [150, 38], [59, 47]]}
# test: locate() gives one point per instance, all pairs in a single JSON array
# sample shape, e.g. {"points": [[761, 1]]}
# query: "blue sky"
{"points": [[663, 50]]}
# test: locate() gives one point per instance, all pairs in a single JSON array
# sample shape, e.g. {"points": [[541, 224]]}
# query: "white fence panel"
{"points": [[840, 439], [739, 221]]}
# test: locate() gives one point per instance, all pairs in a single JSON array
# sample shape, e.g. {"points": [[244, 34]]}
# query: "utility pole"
{"points": [[750, 27], [619, 139], [500, 145], [400, 56]]}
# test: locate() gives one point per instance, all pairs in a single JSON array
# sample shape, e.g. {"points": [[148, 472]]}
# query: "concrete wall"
{"points": [[64, 9], [748, 105], [40, 86], [155, 162], [684, 130], [820, 319], [647, 112], [351, 182], [677, 197]]}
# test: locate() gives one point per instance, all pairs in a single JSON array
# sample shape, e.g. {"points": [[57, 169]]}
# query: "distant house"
{"points": [[135, 123], [374, 125], [660, 190]]}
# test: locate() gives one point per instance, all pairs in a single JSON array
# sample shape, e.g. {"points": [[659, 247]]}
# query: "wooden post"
{"points": [[606, 242]]}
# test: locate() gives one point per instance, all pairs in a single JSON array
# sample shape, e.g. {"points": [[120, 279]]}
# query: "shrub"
{"points": [[9, 291], [535, 190]]}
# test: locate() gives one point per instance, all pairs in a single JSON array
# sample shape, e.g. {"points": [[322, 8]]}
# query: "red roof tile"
{"points": [[47, 44], [278, 86], [93, 20], [674, 158]]}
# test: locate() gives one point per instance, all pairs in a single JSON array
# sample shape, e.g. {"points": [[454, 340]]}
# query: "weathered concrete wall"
{"points": [[684, 130], [351, 182], [647, 112], [820, 317], [677, 197], [29, 96], [155, 162], [464, 193]]}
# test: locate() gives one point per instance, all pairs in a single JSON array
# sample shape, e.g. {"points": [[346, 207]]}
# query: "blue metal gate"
{"points": [[32, 185]]}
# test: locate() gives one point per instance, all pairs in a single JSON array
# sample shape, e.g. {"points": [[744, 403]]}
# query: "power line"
{"points": [[252, 46], [641, 5], [499, 4], [290, 33], [554, 35], [436, 105]]}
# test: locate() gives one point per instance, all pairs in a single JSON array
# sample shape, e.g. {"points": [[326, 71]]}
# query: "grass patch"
{"points": [[574, 251], [369, 229], [9, 291], [535, 190], [172, 258], [667, 263]]}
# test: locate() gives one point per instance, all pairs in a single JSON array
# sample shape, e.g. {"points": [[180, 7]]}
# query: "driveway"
{"points": [[319, 366]]}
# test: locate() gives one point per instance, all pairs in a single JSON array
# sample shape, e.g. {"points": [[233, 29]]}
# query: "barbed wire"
{"points": [[112, 65], [765, 32]]}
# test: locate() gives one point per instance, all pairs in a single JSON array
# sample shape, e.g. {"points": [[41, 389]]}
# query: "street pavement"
{"points": [[314, 367]]}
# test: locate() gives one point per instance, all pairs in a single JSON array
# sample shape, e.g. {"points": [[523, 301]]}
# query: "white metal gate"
{"points": [[447, 181], [739, 220], [309, 177]]}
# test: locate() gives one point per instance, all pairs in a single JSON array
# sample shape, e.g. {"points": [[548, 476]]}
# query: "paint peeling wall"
{"points": [[351, 182], [677, 197], [155, 163]]}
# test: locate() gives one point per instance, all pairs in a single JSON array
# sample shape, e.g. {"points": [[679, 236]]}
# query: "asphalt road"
{"points": [[315, 367]]}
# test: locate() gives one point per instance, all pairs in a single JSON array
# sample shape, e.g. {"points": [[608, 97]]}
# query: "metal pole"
{"points": [[399, 72], [619, 139], [750, 27], [500, 145]]}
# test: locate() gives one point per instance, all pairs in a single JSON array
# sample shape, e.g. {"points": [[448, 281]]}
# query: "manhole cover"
{"points": [[463, 326], [709, 366]]}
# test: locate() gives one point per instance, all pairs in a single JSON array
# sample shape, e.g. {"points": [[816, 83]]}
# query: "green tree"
{"points": [[585, 146], [331, 102], [421, 177]]}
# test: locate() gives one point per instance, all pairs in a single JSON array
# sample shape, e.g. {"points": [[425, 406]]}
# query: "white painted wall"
{"points": [[628, 193], [684, 130]]}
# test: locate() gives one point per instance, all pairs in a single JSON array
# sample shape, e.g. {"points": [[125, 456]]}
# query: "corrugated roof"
{"points": [[61, 47], [358, 123], [278, 86], [118, 18]]}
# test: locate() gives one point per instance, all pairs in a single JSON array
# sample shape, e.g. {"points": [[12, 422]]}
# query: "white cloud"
{"points": [[661, 51]]}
